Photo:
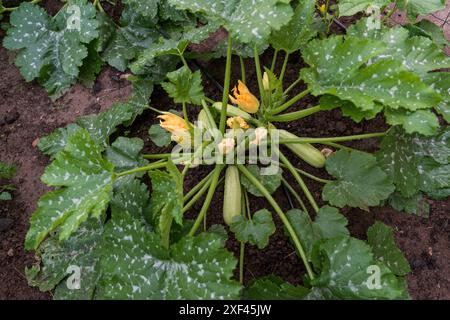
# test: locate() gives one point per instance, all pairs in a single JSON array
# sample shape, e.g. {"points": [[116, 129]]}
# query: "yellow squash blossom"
{"points": [[244, 98], [323, 8], [172, 123], [237, 123]]}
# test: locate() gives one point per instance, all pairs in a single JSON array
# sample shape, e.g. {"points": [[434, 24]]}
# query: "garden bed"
{"points": [[26, 114]]}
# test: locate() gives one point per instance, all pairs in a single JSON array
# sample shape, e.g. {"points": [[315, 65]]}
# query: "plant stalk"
{"points": [[226, 87], [289, 103], [292, 116]]}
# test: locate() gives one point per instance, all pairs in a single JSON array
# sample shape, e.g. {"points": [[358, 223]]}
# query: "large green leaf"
{"points": [[274, 288], [184, 86], [166, 203], [159, 136], [424, 122], [351, 7], [270, 182], [341, 67], [298, 31], [420, 7], [249, 21], [147, 8], [85, 180], [360, 181], [413, 205], [417, 54], [51, 49], [256, 231], [416, 162], [136, 266], [348, 270], [329, 223], [426, 28], [57, 140], [381, 238], [80, 253], [441, 83]]}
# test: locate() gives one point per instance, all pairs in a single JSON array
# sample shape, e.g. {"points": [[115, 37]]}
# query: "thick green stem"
{"points": [[243, 77], [294, 193], [15, 8], [339, 146], [197, 196], [156, 156], [226, 86], [195, 189], [300, 181], [308, 175], [283, 69], [212, 189], [241, 262], [185, 115], [274, 60], [258, 74], [292, 86], [292, 116], [282, 216], [334, 139], [289, 103], [149, 167]]}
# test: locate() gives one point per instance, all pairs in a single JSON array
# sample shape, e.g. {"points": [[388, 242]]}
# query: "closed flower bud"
{"points": [[260, 135], [226, 145], [265, 81]]}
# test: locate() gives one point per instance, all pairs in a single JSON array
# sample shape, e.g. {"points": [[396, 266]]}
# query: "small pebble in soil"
{"points": [[10, 253], [340, 126]]}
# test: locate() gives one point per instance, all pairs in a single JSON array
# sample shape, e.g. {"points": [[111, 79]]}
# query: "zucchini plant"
{"points": [[128, 243]]}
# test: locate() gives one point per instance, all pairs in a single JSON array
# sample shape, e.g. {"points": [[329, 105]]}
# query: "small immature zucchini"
{"points": [[304, 150], [232, 195]]}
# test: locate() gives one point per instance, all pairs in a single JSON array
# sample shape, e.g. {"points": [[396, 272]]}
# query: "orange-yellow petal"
{"points": [[172, 123], [244, 98]]}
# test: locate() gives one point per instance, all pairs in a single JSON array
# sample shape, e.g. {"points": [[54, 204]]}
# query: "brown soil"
{"points": [[26, 113]]}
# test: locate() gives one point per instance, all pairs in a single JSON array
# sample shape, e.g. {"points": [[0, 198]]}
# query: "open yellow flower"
{"points": [[172, 123], [244, 98], [237, 123]]}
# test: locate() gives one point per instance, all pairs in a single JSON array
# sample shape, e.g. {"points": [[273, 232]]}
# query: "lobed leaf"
{"points": [[256, 231]]}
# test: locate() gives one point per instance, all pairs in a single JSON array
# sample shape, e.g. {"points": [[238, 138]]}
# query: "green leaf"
{"points": [[414, 205], [125, 155], [57, 258], [249, 21], [136, 266], [184, 86], [329, 223], [166, 203], [440, 81], [348, 270], [340, 67], [7, 171], [270, 182], [92, 65], [51, 49], [159, 136], [104, 124], [417, 163], [5, 196], [417, 54], [147, 8], [426, 28], [129, 40], [57, 140], [85, 181], [274, 288], [415, 8], [360, 183], [132, 198], [256, 231], [424, 122], [298, 31], [329, 102], [351, 7], [381, 238], [163, 47]]}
